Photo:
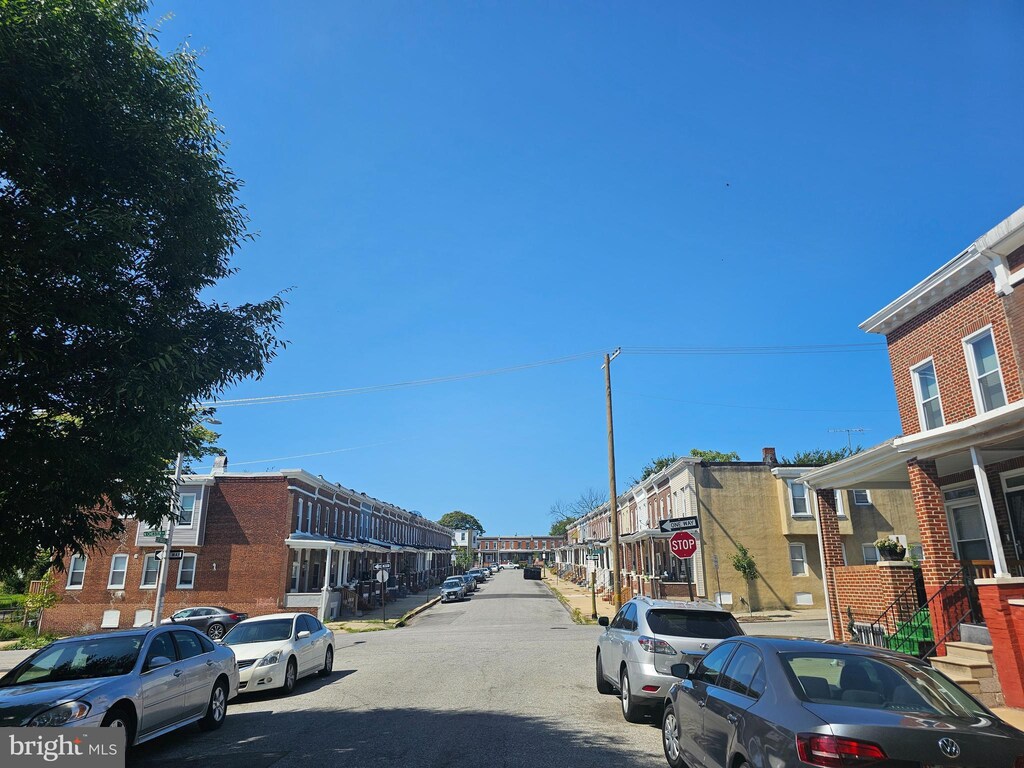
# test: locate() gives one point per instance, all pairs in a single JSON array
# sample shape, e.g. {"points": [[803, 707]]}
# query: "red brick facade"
{"points": [[864, 592]]}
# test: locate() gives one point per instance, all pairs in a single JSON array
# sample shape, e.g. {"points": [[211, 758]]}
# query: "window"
{"points": [[739, 674], [916, 552], [142, 616], [797, 499], [111, 620], [186, 509], [150, 571], [317, 529], [841, 504], [76, 572], [711, 665], [986, 376], [870, 553], [842, 546], [862, 498], [804, 598], [298, 517], [187, 571], [926, 392], [723, 598], [162, 645], [309, 517], [118, 569], [798, 559], [188, 644]]}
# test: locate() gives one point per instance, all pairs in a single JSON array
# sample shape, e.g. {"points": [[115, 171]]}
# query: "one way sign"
{"points": [[679, 524]]}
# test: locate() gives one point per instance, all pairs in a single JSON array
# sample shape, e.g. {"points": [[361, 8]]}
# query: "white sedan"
{"points": [[275, 651]]}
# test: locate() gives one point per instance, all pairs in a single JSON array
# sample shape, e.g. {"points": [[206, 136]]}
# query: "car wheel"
{"points": [[120, 717], [328, 663], [603, 686], [217, 709], [630, 709], [670, 739], [215, 631], [291, 674]]}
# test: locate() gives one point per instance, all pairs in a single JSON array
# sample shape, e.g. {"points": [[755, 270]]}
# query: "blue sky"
{"points": [[455, 187]]}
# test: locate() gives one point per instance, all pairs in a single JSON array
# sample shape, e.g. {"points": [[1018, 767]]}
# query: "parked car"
{"points": [[638, 647], [275, 651], [471, 583], [147, 681], [779, 701], [477, 574], [453, 590], [211, 619]]}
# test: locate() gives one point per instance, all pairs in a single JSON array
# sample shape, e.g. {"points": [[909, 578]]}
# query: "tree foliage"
{"points": [[819, 457], [566, 514], [744, 563], [697, 453], [654, 467], [118, 216], [460, 521]]}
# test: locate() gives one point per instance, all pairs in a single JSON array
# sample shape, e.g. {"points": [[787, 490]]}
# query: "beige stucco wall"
{"points": [[890, 512]]}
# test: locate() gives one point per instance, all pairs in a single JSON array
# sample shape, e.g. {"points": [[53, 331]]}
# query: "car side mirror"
{"points": [[603, 621], [156, 662], [682, 671], [303, 634]]}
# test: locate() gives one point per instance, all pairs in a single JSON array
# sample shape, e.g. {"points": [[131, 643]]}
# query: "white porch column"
{"points": [[988, 510], [325, 593]]}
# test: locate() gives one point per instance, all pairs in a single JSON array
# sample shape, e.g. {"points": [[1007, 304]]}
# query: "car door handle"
{"points": [[177, 673], [732, 718]]}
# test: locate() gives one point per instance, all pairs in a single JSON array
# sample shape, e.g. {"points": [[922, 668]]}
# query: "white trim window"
{"points": [[150, 572], [186, 571], [841, 504], [798, 559], [842, 546], [797, 499], [76, 571], [118, 571], [986, 373], [926, 393], [870, 552], [186, 509], [862, 497]]}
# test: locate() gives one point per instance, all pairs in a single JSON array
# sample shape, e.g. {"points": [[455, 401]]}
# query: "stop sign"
{"points": [[683, 545]]}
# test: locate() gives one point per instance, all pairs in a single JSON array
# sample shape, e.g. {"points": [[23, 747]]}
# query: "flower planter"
{"points": [[890, 556]]}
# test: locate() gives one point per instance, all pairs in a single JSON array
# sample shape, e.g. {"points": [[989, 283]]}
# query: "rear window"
{"points": [[683, 623]]}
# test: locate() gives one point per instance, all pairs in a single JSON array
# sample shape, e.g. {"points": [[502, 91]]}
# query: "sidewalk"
{"points": [[10, 659], [397, 609]]}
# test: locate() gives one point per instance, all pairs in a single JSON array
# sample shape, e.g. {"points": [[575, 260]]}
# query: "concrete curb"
{"points": [[417, 611], [561, 602]]}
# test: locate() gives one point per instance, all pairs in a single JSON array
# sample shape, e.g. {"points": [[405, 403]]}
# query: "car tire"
{"points": [[121, 717], [217, 709], [328, 663], [631, 710], [215, 631], [603, 686], [670, 739], [291, 675]]}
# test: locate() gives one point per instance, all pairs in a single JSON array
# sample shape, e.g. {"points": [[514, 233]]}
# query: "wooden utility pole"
{"points": [[613, 505]]}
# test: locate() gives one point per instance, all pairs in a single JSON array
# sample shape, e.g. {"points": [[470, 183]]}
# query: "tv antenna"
{"points": [[849, 434]]}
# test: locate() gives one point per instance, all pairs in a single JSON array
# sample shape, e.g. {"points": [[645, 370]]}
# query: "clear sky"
{"points": [[453, 187]]}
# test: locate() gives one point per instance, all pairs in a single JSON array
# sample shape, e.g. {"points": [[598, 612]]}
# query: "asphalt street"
{"points": [[502, 679]]}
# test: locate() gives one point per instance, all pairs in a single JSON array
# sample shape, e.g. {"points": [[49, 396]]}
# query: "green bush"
{"points": [[9, 632], [31, 643]]}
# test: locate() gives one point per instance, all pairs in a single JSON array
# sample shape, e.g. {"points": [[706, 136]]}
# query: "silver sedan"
{"points": [[147, 681]]}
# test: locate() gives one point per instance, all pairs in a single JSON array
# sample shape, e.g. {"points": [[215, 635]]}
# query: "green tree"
{"points": [[118, 216], [460, 521], [697, 453], [654, 467], [567, 514], [819, 457], [463, 558], [46, 597], [744, 562]]}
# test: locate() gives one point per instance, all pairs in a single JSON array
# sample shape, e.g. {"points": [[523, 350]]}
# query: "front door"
{"points": [[970, 533]]}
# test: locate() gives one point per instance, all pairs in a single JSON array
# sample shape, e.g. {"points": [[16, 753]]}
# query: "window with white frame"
{"points": [[150, 571], [798, 559], [862, 498], [841, 504], [804, 598], [298, 517], [309, 517], [76, 572], [186, 509], [118, 571], [986, 375], [926, 392], [798, 499], [723, 598], [870, 552], [916, 552], [842, 546], [187, 571]]}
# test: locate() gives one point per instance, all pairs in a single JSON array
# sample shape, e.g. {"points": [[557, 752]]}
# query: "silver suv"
{"points": [[638, 647]]}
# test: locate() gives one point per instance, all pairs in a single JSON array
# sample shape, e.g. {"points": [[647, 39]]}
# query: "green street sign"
{"points": [[595, 552], [162, 540], [153, 534]]}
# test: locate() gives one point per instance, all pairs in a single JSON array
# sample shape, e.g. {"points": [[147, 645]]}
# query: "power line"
{"points": [[779, 349], [755, 407], [307, 455]]}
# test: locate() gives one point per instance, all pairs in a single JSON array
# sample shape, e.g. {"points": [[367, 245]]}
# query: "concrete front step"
{"points": [[957, 668], [969, 684], [969, 651]]}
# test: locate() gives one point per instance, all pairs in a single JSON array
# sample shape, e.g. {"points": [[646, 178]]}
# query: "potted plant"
{"points": [[890, 549]]}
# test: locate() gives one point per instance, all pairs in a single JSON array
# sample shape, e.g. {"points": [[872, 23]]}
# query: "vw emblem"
{"points": [[949, 748]]}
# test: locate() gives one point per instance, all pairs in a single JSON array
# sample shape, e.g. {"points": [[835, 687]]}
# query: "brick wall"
{"points": [[867, 591], [938, 332], [242, 565]]}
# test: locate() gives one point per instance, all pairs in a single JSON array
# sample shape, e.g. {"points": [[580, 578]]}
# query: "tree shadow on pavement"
{"points": [[424, 738]]}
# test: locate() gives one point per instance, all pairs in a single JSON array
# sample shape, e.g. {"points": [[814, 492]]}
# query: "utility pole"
{"points": [[613, 505]]}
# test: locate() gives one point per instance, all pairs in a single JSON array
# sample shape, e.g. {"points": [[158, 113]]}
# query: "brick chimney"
{"points": [[220, 465], [768, 457]]}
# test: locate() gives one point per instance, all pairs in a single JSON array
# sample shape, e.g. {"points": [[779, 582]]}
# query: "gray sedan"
{"points": [[779, 702], [214, 620], [147, 681]]}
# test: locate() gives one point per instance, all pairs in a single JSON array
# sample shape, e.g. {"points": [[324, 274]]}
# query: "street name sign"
{"points": [[161, 539], [152, 534], [683, 545], [679, 524]]}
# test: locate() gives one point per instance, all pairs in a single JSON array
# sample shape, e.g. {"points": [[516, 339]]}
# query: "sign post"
{"points": [[383, 574], [683, 545]]}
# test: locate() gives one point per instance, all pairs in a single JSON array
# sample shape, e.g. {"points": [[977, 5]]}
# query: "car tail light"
{"points": [[835, 752], [238, 616], [654, 645]]}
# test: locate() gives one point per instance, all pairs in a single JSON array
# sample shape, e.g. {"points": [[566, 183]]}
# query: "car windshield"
{"points": [[874, 683], [713, 625], [453, 583], [259, 632], [78, 660]]}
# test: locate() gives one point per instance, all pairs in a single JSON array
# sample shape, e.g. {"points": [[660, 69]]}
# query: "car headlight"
{"points": [[61, 714], [271, 658]]}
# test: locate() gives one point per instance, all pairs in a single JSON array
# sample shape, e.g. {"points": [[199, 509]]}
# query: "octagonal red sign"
{"points": [[683, 545]]}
